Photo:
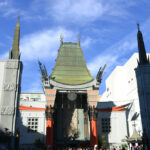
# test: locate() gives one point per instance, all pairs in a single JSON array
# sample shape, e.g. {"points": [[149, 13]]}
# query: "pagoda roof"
{"points": [[70, 67], [134, 137]]}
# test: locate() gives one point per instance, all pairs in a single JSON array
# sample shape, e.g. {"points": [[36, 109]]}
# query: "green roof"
{"points": [[70, 67], [135, 135], [134, 138]]}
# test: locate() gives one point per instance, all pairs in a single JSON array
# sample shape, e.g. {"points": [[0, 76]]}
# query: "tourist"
{"points": [[114, 148], [95, 147], [135, 148]]}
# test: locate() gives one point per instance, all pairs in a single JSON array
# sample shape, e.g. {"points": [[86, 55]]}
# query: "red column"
{"points": [[93, 134], [93, 127], [49, 127], [49, 133]]}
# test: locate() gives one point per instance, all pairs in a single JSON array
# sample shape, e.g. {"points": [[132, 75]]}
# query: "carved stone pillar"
{"points": [[92, 97], [49, 127], [50, 98], [86, 132], [93, 126]]}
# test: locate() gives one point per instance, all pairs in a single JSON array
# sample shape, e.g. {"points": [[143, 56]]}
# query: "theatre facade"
{"points": [[70, 111]]}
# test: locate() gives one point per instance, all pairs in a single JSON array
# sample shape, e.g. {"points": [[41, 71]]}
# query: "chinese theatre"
{"points": [[71, 94]]}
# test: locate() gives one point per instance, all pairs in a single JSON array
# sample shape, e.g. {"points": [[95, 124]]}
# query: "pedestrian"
{"points": [[135, 148], [95, 147]]}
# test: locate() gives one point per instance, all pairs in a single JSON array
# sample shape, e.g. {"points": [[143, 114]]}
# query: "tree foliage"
{"points": [[102, 141]]}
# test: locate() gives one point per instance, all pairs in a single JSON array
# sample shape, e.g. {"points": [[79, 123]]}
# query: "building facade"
{"points": [[31, 119], [70, 110], [71, 96], [10, 87], [128, 85], [121, 89], [143, 84]]}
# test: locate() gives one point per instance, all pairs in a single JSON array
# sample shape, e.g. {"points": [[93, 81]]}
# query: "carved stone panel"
{"points": [[11, 65], [9, 86], [5, 110]]}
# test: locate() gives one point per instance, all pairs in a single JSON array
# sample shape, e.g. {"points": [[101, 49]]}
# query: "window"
{"points": [[32, 124], [46, 82], [105, 125], [35, 99]]}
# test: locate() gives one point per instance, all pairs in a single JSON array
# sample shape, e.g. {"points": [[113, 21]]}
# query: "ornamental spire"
{"points": [[79, 38], [14, 53], [61, 38], [142, 52]]}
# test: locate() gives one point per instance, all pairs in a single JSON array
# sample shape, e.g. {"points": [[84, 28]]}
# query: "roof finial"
{"points": [[142, 51], [138, 26], [134, 124], [15, 54], [79, 38], [18, 19], [61, 38]]}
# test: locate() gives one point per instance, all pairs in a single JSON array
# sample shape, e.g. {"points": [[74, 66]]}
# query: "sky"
{"points": [[107, 28]]}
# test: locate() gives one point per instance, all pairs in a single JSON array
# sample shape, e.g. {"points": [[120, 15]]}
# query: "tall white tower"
{"points": [[10, 81]]}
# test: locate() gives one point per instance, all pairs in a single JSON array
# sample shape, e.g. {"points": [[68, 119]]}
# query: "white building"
{"points": [[31, 119], [10, 82], [122, 89], [129, 85]]}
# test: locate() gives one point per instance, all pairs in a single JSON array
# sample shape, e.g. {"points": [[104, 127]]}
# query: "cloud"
{"points": [[113, 54], [87, 42], [81, 11], [44, 44], [68, 11], [7, 9], [77, 10], [99, 61], [118, 52], [4, 3]]}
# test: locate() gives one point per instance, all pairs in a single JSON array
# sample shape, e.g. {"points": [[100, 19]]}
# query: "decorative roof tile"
{"points": [[70, 67]]}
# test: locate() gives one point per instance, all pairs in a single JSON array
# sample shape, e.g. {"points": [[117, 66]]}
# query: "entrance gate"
{"points": [[71, 94]]}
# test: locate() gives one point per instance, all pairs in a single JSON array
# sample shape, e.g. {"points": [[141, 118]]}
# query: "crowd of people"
{"points": [[140, 147]]}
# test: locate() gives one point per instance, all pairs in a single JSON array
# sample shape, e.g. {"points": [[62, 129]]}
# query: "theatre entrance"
{"points": [[71, 94]]}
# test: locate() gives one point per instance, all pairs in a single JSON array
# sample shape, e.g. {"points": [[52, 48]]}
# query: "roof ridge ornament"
{"points": [[143, 60], [61, 38], [79, 39], [18, 19], [100, 73], [43, 70], [134, 124], [138, 26]]}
